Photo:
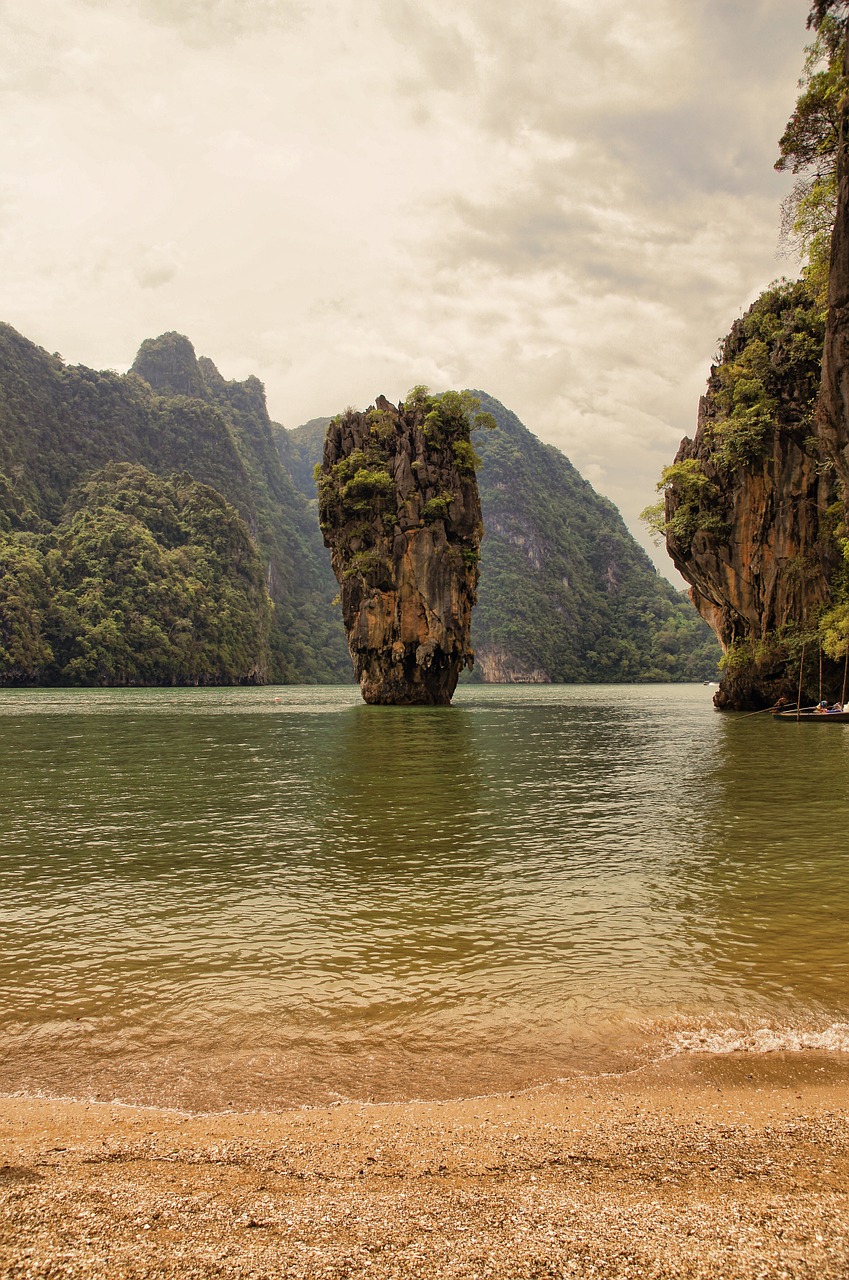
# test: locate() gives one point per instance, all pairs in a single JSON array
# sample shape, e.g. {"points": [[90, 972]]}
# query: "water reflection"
{"points": [[764, 885], [404, 785], [285, 893]]}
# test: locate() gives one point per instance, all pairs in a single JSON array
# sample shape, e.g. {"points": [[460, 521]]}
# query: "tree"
{"points": [[808, 148], [24, 595], [822, 9]]}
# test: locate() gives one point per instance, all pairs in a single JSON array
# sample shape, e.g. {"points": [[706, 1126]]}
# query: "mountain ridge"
{"points": [[59, 424]]}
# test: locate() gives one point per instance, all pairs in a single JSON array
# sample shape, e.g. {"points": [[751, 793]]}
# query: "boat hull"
{"points": [[814, 717]]}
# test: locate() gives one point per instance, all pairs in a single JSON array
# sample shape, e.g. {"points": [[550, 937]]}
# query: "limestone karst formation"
{"points": [[833, 409], [749, 516], [756, 504], [399, 510]]}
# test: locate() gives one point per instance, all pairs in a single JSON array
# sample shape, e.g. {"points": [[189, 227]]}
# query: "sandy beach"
{"points": [[697, 1167]]}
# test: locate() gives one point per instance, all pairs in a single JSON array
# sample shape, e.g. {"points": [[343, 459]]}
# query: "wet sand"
{"points": [[703, 1166]]}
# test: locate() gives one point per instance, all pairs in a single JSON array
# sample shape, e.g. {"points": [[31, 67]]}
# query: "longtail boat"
{"points": [[812, 716]]}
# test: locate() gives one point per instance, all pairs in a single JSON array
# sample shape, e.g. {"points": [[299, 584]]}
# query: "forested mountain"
{"points": [[143, 581], [308, 641], [172, 414], [565, 593], [156, 527], [300, 450]]}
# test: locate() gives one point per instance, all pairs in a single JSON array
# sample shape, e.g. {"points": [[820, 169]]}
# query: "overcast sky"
{"points": [[564, 202]]}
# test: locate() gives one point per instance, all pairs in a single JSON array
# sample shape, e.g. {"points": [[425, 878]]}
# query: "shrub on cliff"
{"points": [[768, 375], [694, 493]]}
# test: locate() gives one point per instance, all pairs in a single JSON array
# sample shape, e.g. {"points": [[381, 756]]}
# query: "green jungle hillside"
{"points": [[566, 593], [72, 526]]}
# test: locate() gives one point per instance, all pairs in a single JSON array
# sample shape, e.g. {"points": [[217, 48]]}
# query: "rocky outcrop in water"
{"points": [[399, 510], [749, 513]]}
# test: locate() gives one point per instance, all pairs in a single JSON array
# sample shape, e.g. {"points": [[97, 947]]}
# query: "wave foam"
{"points": [[834, 1039]]}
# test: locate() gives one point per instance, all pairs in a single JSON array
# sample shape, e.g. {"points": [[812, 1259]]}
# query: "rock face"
{"points": [[399, 510], [770, 567], [833, 413], [565, 594], [748, 519], [500, 667]]}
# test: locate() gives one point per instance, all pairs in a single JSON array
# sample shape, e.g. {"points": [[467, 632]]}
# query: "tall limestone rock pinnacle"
{"points": [[749, 516], [399, 510], [833, 412]]}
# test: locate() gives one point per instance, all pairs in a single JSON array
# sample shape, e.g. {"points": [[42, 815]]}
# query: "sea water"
{"points": [[267, 897]]}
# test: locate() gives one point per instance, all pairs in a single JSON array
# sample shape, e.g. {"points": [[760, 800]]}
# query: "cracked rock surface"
{"points": [[399, 510]]}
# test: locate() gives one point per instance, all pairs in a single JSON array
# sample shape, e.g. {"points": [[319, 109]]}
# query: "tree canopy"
{"points": [[144, 581], [822, 9], [808, 148]]}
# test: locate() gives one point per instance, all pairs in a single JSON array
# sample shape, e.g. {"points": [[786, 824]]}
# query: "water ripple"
{"points": [[288, 892]]}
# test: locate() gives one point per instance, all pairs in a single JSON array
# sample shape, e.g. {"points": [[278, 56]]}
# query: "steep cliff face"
{"points": [[833, 414], [749, 501], [501, 666], [399, 509]]}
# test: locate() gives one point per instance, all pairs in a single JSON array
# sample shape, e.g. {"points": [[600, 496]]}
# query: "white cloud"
{"points": [[157, 266], [565, 203]]}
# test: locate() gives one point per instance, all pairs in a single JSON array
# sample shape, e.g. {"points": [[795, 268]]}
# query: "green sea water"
{"points": [[260, 897]]}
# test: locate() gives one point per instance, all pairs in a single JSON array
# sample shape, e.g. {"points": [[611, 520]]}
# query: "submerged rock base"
{"points": [[399, 510]]}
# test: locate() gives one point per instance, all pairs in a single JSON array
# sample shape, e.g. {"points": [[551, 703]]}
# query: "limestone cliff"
{"points": [[499, 666], [833, 413], [399, 510], [749, 519]]}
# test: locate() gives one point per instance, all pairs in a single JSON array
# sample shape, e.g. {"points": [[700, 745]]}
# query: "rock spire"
{"points": [[399, 510]]}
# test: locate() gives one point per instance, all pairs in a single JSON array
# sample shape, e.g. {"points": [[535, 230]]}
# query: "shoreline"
{"points": [[248, 1080], [784, 1063], [732, 1165]]}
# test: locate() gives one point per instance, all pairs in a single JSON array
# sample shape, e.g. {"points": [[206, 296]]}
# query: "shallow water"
{"points": [[270, 896]]}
